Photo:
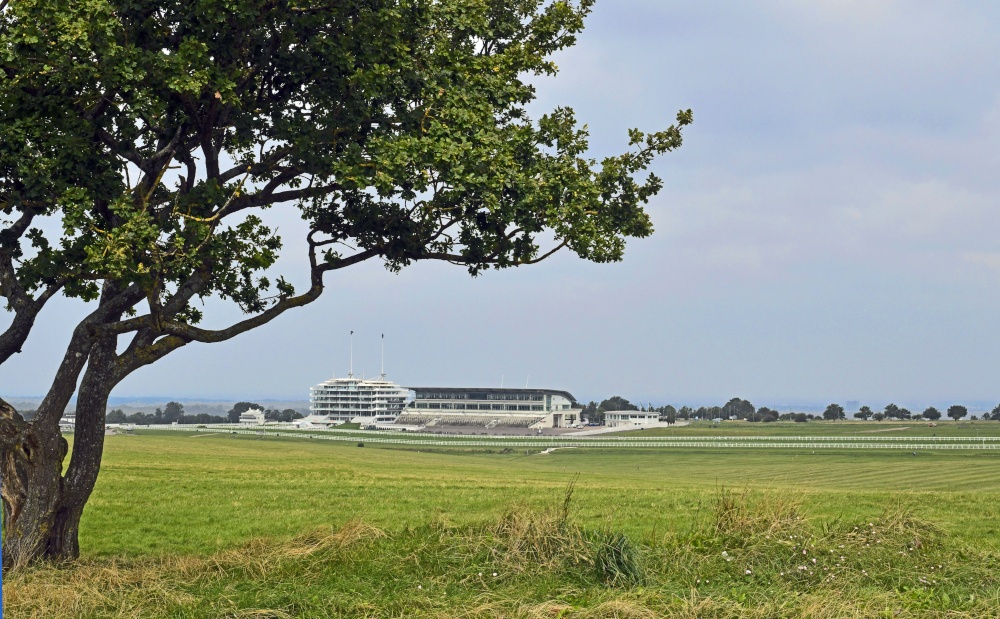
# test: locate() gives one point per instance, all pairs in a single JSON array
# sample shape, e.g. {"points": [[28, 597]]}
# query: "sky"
{"points": [[827, 233]]}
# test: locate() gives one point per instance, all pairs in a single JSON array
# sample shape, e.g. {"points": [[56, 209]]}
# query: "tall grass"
{"points": [[752, 554]]}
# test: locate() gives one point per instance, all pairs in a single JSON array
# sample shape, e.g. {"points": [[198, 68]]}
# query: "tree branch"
{"points": [[462, 260], [264, 164], [149, 346], [296, 194]]}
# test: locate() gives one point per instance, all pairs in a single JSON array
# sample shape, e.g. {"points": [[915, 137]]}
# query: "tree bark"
{"points": [[31, 457], [88, 447], [32, 486]]}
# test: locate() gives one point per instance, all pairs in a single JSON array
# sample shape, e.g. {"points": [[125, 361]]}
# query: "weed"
{"points": [[617, 560]]}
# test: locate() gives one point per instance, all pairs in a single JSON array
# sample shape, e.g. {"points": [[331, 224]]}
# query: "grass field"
{"points": [[196, 525]]}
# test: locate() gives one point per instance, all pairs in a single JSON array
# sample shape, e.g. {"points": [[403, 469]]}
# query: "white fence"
{"points": [[536, 442], [272, 428]]}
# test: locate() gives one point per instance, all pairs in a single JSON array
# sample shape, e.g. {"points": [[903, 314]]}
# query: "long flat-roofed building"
{"points": [[534, 408], [614, 419]]}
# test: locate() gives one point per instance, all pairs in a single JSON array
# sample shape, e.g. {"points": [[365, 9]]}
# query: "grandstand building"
{"points": [[357, 400], [529, 408]]}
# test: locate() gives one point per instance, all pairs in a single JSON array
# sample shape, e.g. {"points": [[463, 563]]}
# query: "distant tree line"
{"points": [[738, 408], [892, 411], [174, 412]]}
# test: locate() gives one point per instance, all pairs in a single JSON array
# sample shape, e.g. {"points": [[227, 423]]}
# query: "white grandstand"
{"points": [[355, 400], [490, 407]]}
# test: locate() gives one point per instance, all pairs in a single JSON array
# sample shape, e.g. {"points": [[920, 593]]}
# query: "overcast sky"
{"points": [[828, 232]]}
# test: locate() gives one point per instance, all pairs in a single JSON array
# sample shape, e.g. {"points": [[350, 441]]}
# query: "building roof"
{"points": [[496, 390]]}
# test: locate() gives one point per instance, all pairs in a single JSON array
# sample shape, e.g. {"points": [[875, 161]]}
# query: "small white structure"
{"points": [[252, 417], [615, 419]]}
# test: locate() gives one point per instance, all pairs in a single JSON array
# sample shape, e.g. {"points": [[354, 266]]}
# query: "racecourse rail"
{"points": [[911, 443]]}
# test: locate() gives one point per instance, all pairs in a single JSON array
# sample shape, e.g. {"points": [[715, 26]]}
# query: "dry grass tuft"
{"points": [[618, 609], [524, 539], [747, 515], [321, 540], [144, 587]]}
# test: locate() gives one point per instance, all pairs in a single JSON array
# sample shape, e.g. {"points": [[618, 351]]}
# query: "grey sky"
{"points": [[826, 233]]}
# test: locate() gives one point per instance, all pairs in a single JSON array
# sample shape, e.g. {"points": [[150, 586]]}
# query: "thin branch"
{"points": [[264, 164], [298, 194], [129, 153], [462, 260]]}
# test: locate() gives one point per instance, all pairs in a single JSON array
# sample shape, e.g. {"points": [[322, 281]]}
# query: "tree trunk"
{"points": [[41, 507], [88, 448], [32, 486], [31, 457]]}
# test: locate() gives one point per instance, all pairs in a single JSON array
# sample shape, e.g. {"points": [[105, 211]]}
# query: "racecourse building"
{"points": [[357, 400], [530, 408], [616, 419]]}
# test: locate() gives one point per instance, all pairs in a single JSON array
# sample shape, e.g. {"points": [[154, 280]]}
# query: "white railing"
{"points": [[535, 442], [571, 438]]}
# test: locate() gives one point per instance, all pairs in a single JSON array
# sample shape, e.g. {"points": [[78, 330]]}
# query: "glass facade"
{"points": [[526, 404]]}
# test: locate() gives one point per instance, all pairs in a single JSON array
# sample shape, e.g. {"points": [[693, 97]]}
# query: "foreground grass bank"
{"points": [[754, 556], [213, 526]]}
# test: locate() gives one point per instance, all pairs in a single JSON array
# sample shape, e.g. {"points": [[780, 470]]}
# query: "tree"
{"points": [[864, 414], [931, 413], [878, 416], [203, 418], [834, 412], [739, 408], [667, 411], [241, 407], [767, 415], [617, 403], [891, 411], [116, 416], [994, 415], [156, 133], [174, 411], [956, 412], [686, 412]]}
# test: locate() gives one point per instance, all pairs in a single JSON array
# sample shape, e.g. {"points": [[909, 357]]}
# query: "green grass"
{"points": [[186, 525], [207, 492]]}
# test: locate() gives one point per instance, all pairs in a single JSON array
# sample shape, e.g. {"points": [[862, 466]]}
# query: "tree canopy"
{"points": [[617, 403], [957, 411], [834, 412], [142, 143], [931, 413]]}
